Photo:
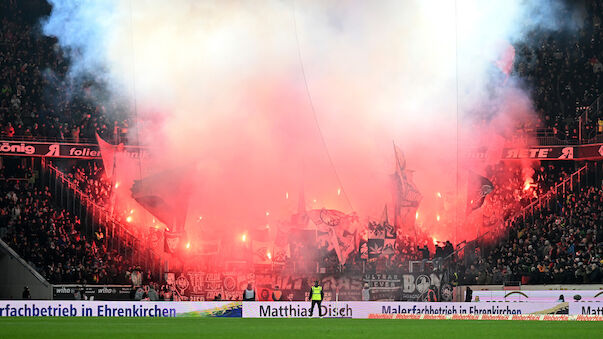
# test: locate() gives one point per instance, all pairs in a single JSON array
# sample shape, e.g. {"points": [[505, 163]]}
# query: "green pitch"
{"points": [[113, 328]]}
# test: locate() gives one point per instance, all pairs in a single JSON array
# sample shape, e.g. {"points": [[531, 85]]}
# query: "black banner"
{"points": [[383, 286], [395, 286], [415, 286], [92, 292], [60, 150], [577, 152], [92, 151]]}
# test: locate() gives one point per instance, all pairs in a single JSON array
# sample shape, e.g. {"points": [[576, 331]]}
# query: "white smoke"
{"points": [[271, 96]]}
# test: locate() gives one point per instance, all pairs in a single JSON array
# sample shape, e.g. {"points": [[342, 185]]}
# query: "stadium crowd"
{"points": [[565, 71], [52, 240], [89, 177], [37, 100], [560, 244]]}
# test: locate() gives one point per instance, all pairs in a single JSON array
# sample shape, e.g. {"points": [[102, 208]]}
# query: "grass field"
{"points": [[113, 328]]}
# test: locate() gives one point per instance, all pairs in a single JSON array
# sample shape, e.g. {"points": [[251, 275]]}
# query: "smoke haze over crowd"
{"points": [[271, 98]]}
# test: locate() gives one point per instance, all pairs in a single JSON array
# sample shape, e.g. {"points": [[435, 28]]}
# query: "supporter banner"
{"points": [[38, 308], [578, 152], [392, 286], [416, 285], [383, 286], [539, 295], [102, 292], [356, 309], [59, 150], [201, 286]]}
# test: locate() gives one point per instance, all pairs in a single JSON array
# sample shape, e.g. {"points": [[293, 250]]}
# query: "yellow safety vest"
{"points": [[316, 292]]}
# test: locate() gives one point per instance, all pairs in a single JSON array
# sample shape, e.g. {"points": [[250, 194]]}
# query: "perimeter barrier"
{"points": [[592, 310]]}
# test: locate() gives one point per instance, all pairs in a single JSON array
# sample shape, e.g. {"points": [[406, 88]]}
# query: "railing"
{"points": [[551, 193], [95, 217]]}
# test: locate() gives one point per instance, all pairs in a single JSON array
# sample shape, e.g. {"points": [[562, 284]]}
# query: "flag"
{"points": [[262, 252], [389, 230], [478, 187], [173, 242], [363, 249], [107, 154], [347, 245], [384, 217], [301, 218], [389, 246], [406, 195], [338, 230], [325, 219], [165, 195], [280, 253], [375, 248]]}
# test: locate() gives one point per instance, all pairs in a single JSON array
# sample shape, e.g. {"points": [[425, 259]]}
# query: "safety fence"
{"points": [[97, 222]]}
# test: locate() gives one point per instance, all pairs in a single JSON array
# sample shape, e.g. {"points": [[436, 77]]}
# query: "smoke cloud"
{"points": [[271, 98]]}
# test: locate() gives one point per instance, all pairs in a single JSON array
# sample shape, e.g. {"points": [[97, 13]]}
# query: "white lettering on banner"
{"points": [[40, 308], [516, 153], [84, 152], [567, 153], [17, 148], [53, 150], [359, 309]]}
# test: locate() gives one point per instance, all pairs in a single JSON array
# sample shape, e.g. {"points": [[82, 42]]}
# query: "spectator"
{"points": [[26, 294], [249, 293]]}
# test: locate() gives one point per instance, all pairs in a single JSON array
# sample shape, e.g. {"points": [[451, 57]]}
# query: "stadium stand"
{"points": [[559, 243], [36, 99], [51, 239], [565, 73]]}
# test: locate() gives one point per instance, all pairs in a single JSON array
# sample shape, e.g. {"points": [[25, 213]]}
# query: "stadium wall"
{"points": [[21, 275]]}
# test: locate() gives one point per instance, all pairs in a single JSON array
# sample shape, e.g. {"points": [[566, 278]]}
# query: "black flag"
{"points": [[478, 188]]}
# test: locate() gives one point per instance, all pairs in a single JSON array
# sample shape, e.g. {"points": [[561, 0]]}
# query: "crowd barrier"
{"points": [[285, 309]]}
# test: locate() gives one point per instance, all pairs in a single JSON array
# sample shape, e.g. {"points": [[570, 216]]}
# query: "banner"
{"points": [[539, 295], [284, 309], [577, 152], [383, 286], [202, 286], [362, 310], [97, 292], [586, 308], [39, 308], [61, 150], [389, 286], [416, 285], [92, 151], [173, 242]]}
